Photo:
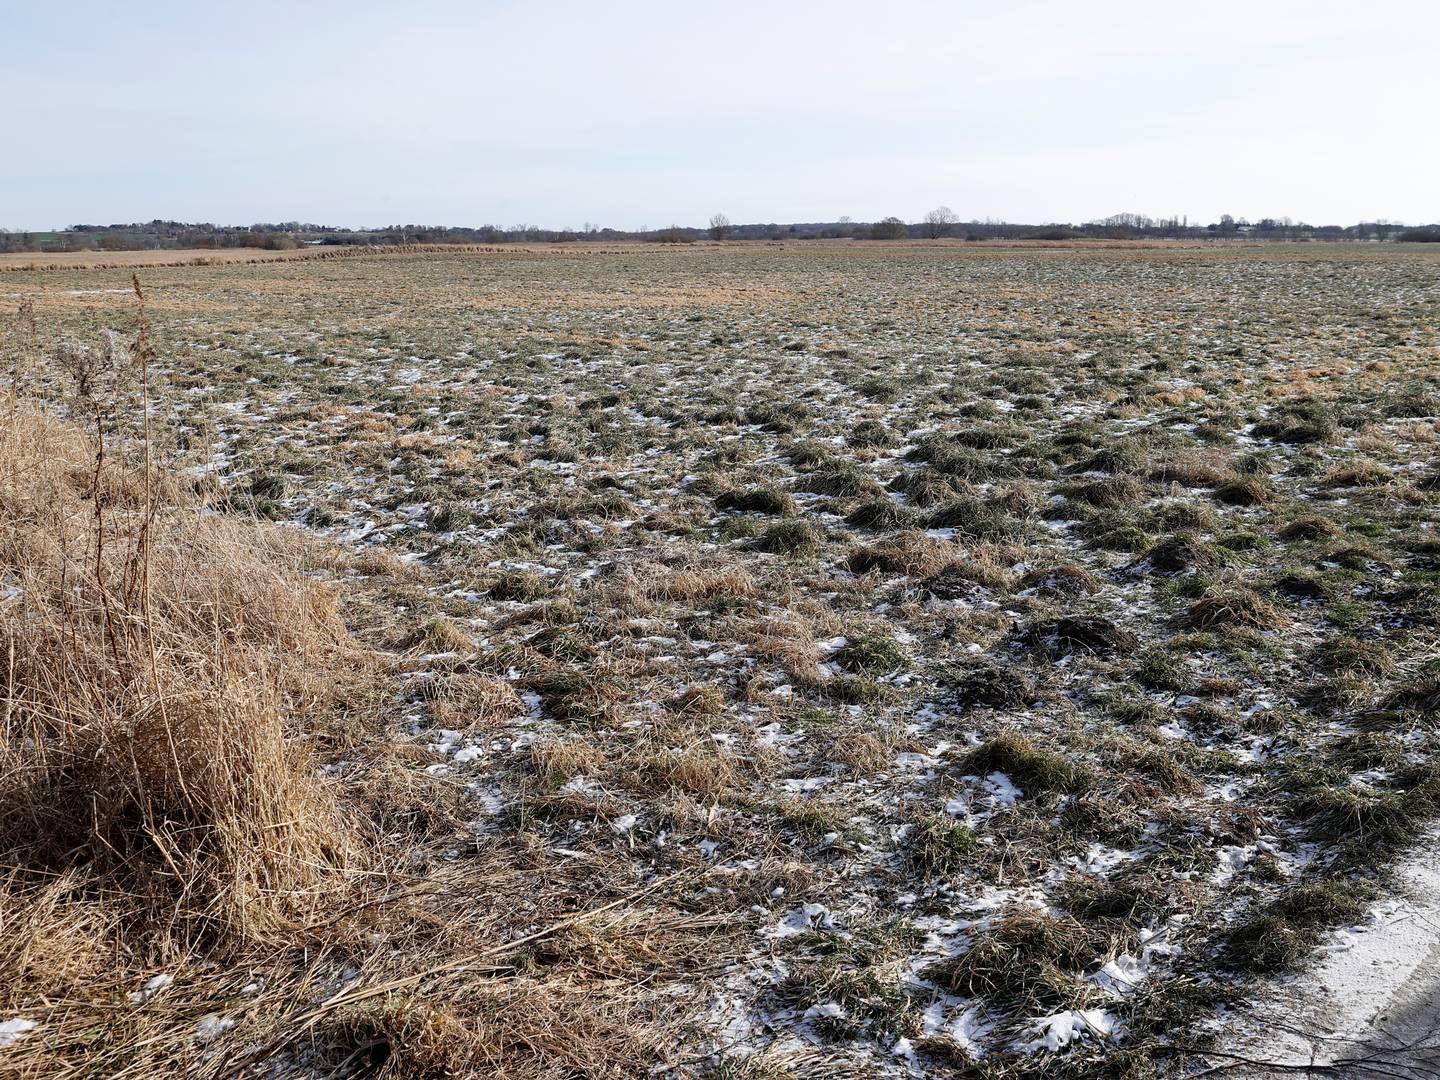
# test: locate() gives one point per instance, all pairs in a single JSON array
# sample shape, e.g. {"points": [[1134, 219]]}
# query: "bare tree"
{"points": [[719, 226], [939, 221]]}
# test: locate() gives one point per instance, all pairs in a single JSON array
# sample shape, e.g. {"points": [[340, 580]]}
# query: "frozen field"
{"points": [[930, 657]]}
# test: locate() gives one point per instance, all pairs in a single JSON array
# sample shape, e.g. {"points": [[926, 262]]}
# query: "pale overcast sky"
{"points": [[638, 113]]}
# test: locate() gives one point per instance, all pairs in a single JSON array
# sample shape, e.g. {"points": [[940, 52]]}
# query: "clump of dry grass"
{"points": [[1110, 491], [1028, 959], [1244, 492], [788, 641], [1361, 473], [560, 759], [866, 752], [638, 586], [439, 635], [1061, 579], [701, 769], [1184, 551], [1310, 527], [1036, 770], [463, 699], [1194, 468], [911, 553], [694, 585], [705, 700], [151, 655], [1237, 606]]}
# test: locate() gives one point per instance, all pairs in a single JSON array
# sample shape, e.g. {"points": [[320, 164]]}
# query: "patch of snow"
{"points": [[1232, 859], [966, 1025], [1063, 1028], [1099, 859], [153, 986], [15, 1029], [999, 790], [807, 783], [212, 1027], [804, 918]]}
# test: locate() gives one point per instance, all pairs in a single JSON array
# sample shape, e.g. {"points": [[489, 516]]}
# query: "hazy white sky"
{"points": [[640, 113]]}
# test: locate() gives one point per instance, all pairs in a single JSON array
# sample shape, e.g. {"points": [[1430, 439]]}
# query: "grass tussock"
{"points": [[794, 536], [938, 845], [1234, 607], [911, 553], [152, 656], [697, 585], [158, 800], [1037, 771], [1028, 960], [1283, 932]]}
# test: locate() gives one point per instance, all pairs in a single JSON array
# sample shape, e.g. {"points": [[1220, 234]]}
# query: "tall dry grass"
{"points": [[158, 664], [148, 653]]}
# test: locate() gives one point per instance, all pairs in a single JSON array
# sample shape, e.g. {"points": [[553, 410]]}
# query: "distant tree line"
{"points": [[940, 223]]}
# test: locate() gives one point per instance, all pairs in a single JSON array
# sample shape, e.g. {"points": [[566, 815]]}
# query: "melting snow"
{"points": [[1060, 1030], [804, 918], [15, 1029], [212, 1027], [153, 986]]}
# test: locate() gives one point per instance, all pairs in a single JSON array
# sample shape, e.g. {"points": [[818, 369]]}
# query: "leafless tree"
{"points": [[939, 221], [719, 226]]}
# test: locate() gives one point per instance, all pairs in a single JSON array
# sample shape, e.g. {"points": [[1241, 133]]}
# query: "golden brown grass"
{"points": [[150, 654], [695, 585], [788, 641], [911, 553], [126, 260]]}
